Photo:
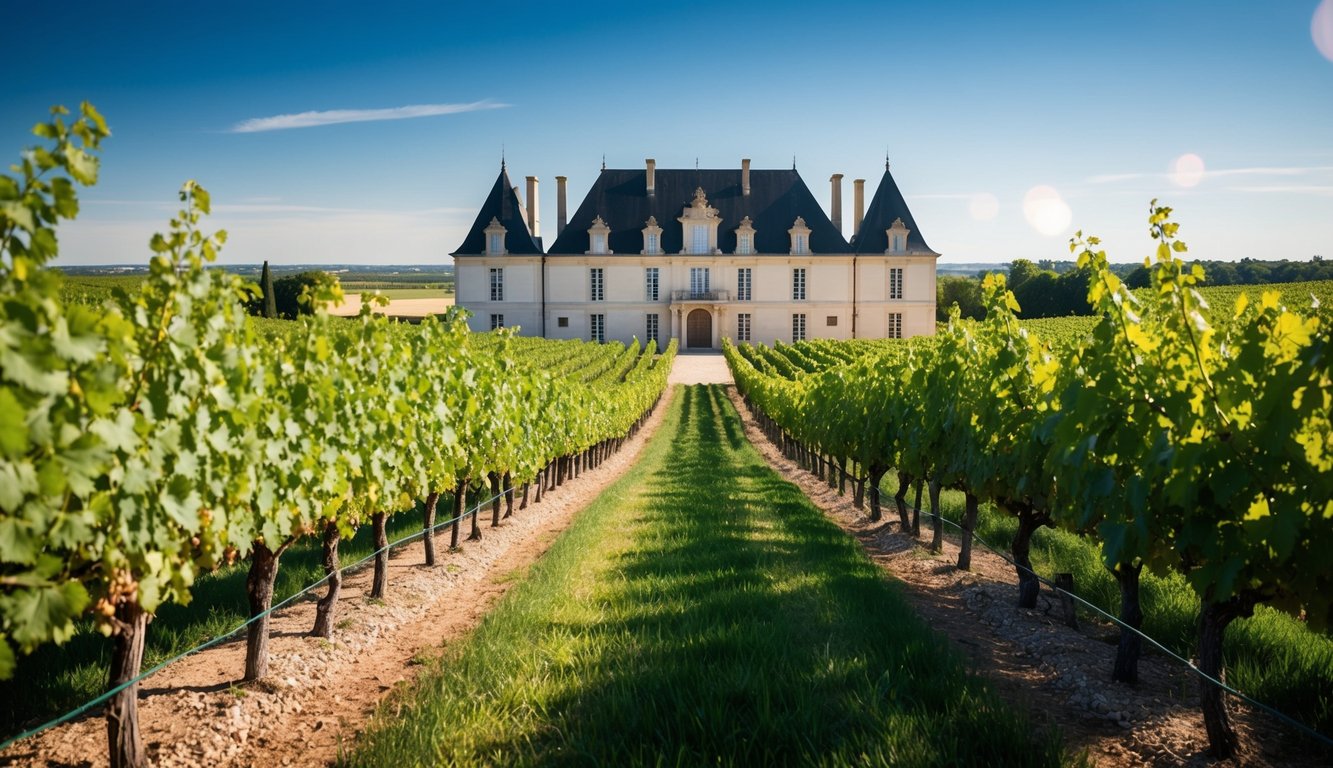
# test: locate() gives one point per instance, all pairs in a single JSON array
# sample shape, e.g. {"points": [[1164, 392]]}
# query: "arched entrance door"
{"points": [[699, 329]]}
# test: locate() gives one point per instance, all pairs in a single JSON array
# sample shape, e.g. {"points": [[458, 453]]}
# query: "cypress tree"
{"points": [[266, 282]]}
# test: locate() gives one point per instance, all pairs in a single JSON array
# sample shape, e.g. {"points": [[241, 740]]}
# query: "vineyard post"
{"points": [[916, 507], [969, 522], [1131, 617], [428, 525], [381, 579]]}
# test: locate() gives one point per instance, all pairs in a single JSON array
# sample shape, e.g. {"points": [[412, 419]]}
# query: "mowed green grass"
{"points": [[701, 611]]}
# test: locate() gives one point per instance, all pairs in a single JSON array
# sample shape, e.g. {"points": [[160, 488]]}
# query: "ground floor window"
{"points": [[798, 327], [650, 333], [832, 320], [743, 326], [497, 321], [562, 322], [597, 328], [895, 325]]}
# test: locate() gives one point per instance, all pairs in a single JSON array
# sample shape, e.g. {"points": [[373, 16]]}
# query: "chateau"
{"points": [[699, 255]]}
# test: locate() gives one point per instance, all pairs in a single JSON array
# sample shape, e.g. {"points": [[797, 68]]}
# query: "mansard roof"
{"points": [[503, 205], [776, 198], [887, 206]]}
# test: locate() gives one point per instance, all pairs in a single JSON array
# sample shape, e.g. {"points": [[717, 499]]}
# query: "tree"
{"points": [[1020, 271], [266, 285], [963, 291]]}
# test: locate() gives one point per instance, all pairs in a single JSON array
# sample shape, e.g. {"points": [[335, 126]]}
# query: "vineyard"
{"points": [[1184, 439], [157, 437]]}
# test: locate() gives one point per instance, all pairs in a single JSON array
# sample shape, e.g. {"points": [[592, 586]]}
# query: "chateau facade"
{"points": [[698, 255]]}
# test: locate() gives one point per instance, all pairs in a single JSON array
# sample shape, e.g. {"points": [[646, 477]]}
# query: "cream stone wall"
{"points": [[828, 293]]}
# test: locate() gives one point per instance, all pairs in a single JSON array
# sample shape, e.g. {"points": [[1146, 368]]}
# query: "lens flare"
{"points": [[1187, 170], [1321, 28], [983, 206], [1046, 211]]}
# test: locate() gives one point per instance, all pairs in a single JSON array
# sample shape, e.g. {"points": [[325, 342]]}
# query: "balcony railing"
{"points": [[701, 296]]}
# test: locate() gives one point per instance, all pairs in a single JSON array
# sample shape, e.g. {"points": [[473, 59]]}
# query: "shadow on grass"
{"points": [[738, 628]]}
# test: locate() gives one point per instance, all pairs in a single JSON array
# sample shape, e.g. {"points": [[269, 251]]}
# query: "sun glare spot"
{"points": [[983, 206], [1046, 211], [1321, 28], [1187, 170]]}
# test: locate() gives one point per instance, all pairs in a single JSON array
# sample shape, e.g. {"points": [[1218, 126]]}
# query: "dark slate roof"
{"points": [[887, 205], [501, 204], [776, 198]]}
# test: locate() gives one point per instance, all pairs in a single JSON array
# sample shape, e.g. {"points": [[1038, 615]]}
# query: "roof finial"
{"points": [[502, 156], [886, 158], [604, 161], [696, 162], [793, 162]]}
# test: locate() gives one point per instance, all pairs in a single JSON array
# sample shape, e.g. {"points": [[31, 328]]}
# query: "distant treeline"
{"points": [[1046, 292]]}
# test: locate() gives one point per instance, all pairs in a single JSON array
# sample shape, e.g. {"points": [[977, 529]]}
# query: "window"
{"points": [[797, 327], [895, 282], [798, 284], [597, 284], [562, 322], [597, 328], [800, 237], [895, 325], [745, 237], [497, 284], [698, 239], [743, 326], [651, 330], [597, 236], [652, 237], [495, 238], [744, 281], [698, 282], [650, 282], [832, 321], [497, 321]]}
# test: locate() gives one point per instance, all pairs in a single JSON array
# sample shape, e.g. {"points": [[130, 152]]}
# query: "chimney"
{"points": [[652, 176], [745, 176], [561, 219], [836, 181], [534, 223], [858, 205]]}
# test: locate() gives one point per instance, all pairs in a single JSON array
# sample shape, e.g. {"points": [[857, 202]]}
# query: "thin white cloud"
{"points": [[1265, 170], [1290, 189], [1111, 178], [335, 116]]}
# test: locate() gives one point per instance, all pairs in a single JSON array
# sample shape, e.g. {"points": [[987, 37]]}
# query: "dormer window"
{"points": [[652, 238], [897, 237], [699, 225], [800, 238], [745, 238], [598, 236], [495, 238]]}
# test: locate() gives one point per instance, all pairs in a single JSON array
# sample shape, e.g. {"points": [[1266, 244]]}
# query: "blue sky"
{"points": [[1081, 110]]}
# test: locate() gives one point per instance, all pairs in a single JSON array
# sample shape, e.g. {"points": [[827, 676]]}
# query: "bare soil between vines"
{"points": [[1060, 675], [320, 694]]}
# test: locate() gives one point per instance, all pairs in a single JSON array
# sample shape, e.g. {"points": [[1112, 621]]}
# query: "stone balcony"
{"points": [[713, 296]]}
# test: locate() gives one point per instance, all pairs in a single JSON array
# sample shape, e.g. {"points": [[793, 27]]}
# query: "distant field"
{"points": [[1221, 298], [396, 294]]}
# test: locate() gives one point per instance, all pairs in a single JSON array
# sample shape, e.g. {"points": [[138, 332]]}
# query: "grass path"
{"points": [[701, 611]]}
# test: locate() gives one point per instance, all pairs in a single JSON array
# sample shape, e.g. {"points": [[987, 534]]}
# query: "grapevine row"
{"points": [[159, 435], [1182, 437]]}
